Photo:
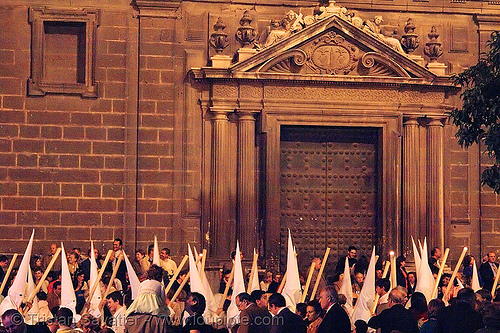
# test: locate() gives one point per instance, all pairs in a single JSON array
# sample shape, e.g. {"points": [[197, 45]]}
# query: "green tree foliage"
{"points": [[479, 118]]}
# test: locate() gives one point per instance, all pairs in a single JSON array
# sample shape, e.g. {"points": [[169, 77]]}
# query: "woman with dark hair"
{"points": [[81, 289], [314, 316], [443, 284], [412, 283], [418, 307], [195, 306], [37, 261], [432, 309], [467, 272], [401, 274]]}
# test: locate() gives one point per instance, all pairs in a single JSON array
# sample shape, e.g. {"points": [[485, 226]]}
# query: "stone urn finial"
{"points": [[219, 40], [410, 41], [246, 33], [433, 48]]}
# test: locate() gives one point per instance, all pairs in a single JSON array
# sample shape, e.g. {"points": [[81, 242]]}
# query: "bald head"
{"points": [[397, 297]]}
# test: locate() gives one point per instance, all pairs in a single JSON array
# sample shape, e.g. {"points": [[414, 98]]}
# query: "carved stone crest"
{"points": [[332, 54]]}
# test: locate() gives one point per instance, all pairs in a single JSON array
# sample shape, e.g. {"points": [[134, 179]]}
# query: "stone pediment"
{"points": [[333, 47]]}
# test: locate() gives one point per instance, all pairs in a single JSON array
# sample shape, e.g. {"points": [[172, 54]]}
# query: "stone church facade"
{"points": [[207, 122]]}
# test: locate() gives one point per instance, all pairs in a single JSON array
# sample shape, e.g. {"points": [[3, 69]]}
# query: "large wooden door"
{"points": [[329, 190]]}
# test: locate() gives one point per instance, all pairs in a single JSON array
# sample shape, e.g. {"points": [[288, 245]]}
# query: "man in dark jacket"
{"points": [[488, 271], [460, 316], [284, 320], [396, 317], [336, 319], [253, 319]]}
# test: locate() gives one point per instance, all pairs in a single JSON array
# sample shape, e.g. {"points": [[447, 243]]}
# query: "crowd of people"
{"points": [[399, 308]]}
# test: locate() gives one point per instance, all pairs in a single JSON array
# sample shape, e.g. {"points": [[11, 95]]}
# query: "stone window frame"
{"points": [[37, 83]]}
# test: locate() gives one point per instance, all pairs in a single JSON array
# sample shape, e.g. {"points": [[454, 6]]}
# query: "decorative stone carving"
{"points": [[379, 65], [332, 54], [273, 34], [374, 28], [246, 33], [219, 40], [293, 22], [410, 40], [433, 48], [288, 62]]}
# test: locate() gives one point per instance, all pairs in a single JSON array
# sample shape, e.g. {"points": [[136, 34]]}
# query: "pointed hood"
{"points": [[209, 295], [475, 277], [254, 284], [97, 297], [292, 290], [366, 298], [194, 275], [425, 280], [68, 298], [346, 287], [132, 276], [18, 289], [238, 287], [156, 253]]}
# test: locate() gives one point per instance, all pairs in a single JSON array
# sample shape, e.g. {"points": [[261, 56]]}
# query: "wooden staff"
{"points": [[440, 272], [9, 270], [96, 283], [252, 273], [377, 296], [113, 276], [183, 283], [226, 290], [174, 277], [495, 283], [308, 282], [282, 284], [44, 276], [320, 273], [203, 260], [455, 272]]}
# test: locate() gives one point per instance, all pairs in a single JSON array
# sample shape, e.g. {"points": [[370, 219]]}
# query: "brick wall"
{"points": [[61, 156], [155, 135]]}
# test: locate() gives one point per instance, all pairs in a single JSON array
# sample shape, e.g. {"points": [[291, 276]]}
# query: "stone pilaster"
{"points": [[219, 226], [411, 182], [247, 196], [435, 186]]}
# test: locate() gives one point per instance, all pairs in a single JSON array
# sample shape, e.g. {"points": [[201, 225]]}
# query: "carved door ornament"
{"points": [[332, 54]]}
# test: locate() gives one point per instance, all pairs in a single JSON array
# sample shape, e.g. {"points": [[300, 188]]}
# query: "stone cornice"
{"points": [[160, 8], [212, 74]]}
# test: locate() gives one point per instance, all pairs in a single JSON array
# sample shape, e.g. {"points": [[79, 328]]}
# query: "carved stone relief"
{"points": [[332, 54]]}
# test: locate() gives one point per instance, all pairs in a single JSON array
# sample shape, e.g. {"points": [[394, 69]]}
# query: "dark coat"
{"points": [[335, 320], [487, 275], [288, 322], [459, 317], [255, 319], [341, 264], [395, 318]]}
